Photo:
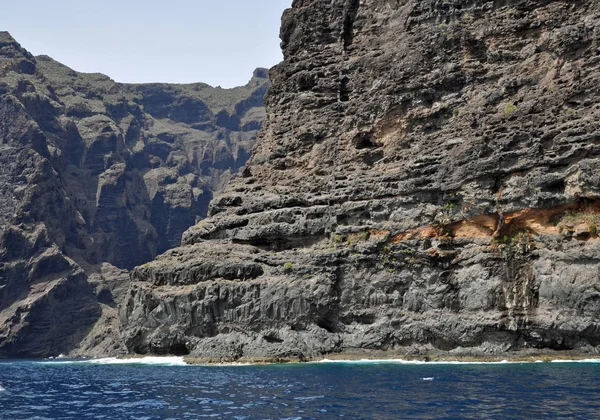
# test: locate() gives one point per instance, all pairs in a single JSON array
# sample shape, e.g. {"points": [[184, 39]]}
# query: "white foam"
{"points": [[456, 362], [228, 364], [149, 360], [179, 361], [316, 397], [577, 361], [412, 362], [2, 389], [428, 379]]}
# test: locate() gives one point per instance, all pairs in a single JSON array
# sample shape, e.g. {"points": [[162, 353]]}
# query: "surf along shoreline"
{"points": [[388, 357]]}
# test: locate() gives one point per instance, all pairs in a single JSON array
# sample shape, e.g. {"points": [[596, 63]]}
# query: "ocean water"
{"points": [[165, 388]]}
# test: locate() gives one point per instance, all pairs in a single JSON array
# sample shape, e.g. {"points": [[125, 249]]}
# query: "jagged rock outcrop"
{"points": [[97, 177], [427, 179]]}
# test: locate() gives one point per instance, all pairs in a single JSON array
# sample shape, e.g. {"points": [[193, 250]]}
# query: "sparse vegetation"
{"points": [[443, 219], [587, 218], [448, 31], [355, 238], [338, 238], [510, 108], [363, 236], [593, 229], [450, 206], [396, 258], [515, 245]]}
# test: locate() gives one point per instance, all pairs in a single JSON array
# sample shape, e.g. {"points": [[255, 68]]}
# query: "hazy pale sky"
{"points": [[219, 42]]}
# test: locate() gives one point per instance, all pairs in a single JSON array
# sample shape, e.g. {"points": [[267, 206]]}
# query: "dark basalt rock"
{"points": [[97, 177], [427, 181]]}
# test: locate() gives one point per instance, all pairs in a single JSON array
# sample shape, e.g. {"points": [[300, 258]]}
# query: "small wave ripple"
{"points": [[158, 388]]}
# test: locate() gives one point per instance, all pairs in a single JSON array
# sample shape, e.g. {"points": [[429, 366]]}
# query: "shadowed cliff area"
{"points": [[427, 181], [97, 177]]}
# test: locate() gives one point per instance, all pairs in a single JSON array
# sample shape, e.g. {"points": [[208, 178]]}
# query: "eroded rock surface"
{"points": [[426, 180], [97, 177]]}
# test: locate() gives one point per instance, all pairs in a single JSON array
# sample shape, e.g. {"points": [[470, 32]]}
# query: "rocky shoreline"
{"points": [[400, 357]]}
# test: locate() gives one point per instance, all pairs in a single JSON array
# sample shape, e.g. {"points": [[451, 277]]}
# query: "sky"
{"points": [[219, 42]]}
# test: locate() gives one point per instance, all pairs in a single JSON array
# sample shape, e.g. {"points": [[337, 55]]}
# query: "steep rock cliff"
{"points": [[427, 179], [97, 177]]}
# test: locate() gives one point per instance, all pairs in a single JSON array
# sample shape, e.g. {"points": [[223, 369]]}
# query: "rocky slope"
{"points": [[427, 180], [97, 177]]}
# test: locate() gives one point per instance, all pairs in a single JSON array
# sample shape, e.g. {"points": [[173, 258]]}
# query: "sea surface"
{"points": [[165, 388]]}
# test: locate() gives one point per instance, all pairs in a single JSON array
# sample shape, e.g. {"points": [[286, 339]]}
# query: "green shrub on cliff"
{"points": [[510, 108]]}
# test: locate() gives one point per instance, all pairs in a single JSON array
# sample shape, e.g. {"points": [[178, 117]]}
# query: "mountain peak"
{"points": [[261, 73], [6, 38], [11, 49]]}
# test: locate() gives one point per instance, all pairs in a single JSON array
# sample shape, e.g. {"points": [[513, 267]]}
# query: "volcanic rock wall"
{"points": [[427, 180], [97, 177]]}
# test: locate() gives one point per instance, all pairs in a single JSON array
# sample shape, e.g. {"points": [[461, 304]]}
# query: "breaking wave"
{"points": [[449, 362], [149, 360], [179, 361]]}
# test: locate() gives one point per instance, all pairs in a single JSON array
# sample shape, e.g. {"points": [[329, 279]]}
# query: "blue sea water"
{"points": [[166, 389]]}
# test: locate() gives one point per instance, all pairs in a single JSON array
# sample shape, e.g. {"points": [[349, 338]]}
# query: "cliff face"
{"points": [[427, 179], [97, 177]]}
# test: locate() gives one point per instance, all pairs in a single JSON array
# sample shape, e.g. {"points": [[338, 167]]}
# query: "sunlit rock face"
{"points": [[97, 177], [426, 180]]}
